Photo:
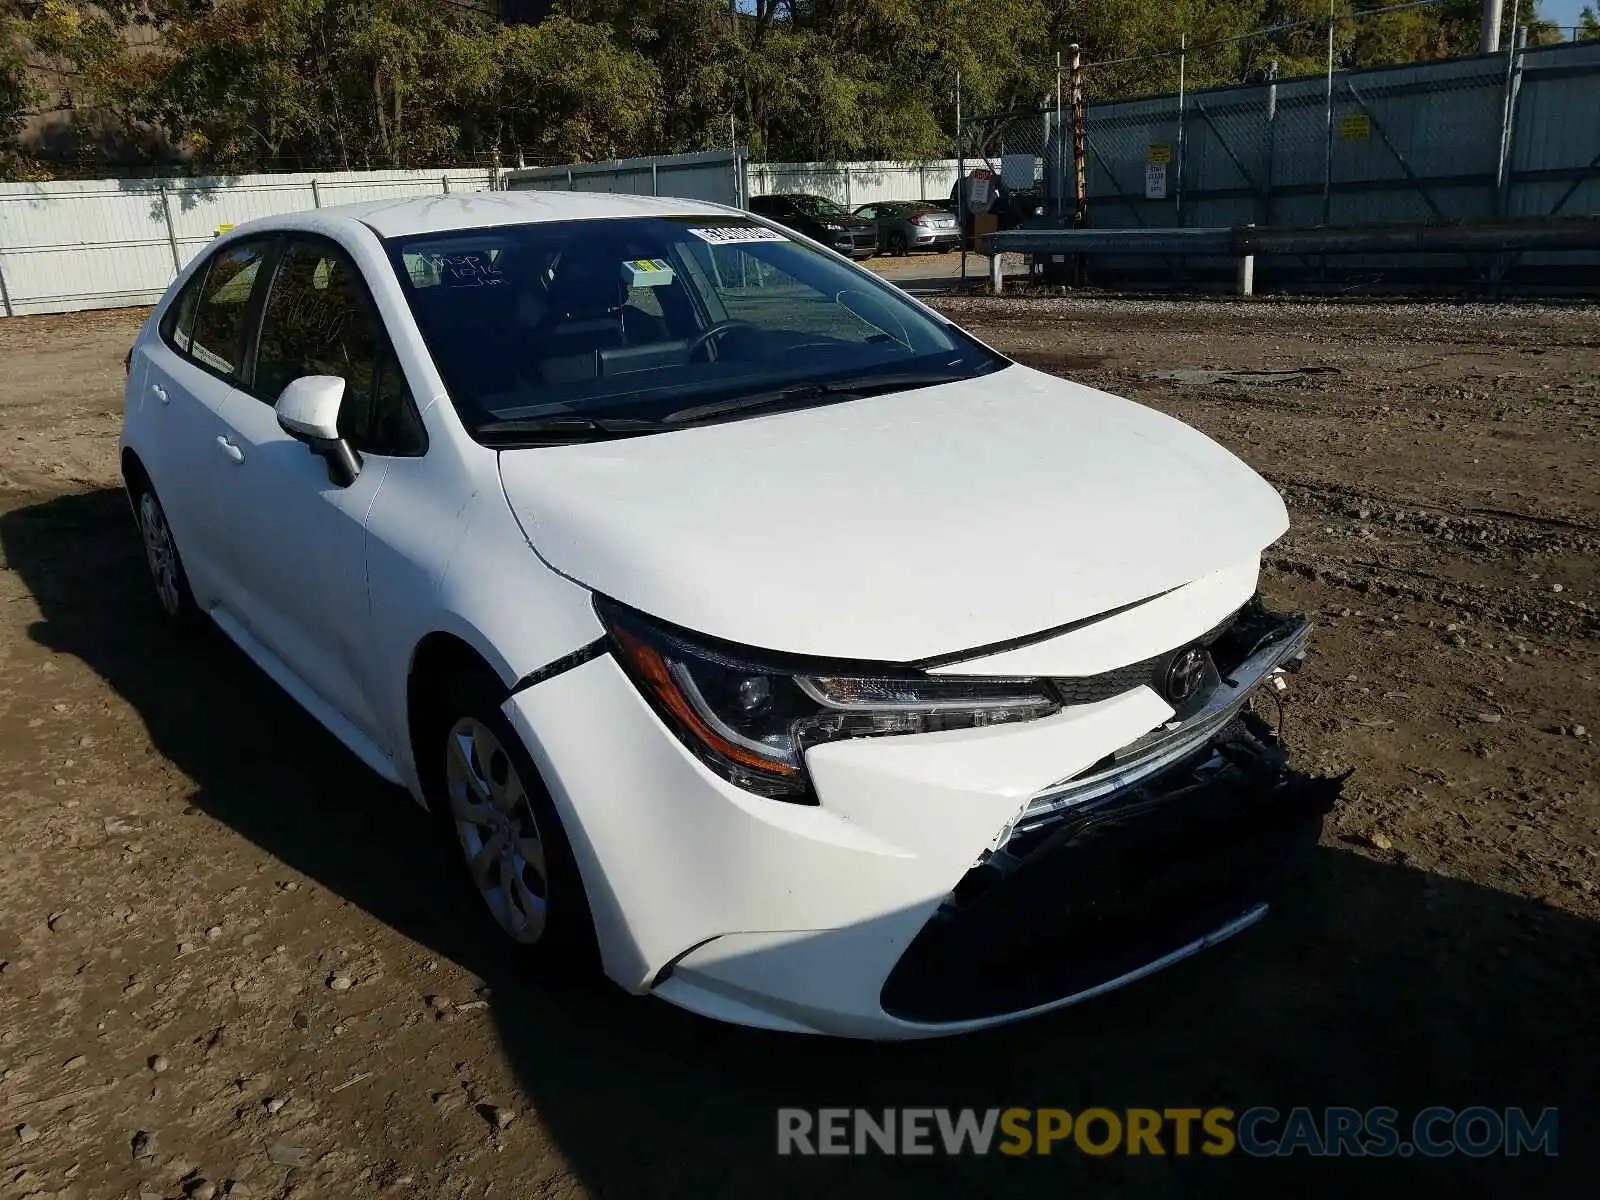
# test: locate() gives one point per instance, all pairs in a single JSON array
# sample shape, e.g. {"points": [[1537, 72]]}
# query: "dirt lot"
{"points": [[186, 860]]}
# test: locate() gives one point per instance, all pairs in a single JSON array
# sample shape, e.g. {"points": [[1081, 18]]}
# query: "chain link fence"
{"points": [[1284, 127]]}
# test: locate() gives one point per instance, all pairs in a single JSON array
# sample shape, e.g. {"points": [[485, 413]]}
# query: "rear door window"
{"points": [[216, 336]]}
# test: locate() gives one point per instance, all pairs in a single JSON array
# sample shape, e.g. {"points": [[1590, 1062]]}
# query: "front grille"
{"points": [[1244, 651], [1114, 885], [1089, 689], [1092, 688]]}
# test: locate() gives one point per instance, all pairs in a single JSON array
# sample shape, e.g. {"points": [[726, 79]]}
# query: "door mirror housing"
{"points": [[308, 411]]}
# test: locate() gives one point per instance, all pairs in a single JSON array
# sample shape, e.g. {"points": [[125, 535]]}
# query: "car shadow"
{"points": [[1374, 984]]}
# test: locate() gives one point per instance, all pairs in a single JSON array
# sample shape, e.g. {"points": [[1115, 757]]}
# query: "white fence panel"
{"points": [[857, 183], [713, 175], [112, 243]]}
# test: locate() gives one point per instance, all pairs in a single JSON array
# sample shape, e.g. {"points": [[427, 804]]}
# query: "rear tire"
{"points": [[897, 245], [492, 806], [161, 554]]}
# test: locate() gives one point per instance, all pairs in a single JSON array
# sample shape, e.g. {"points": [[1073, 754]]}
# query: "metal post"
{"points": [[847, 203], [5, 295], [1247, 271], [922, 181], [1489, 43], [316, 194], [655, 181], [172, 236], [1059, 182], [1327, 153], [1080, 191], [961, 181], [1183, 56], [1508, 110], [444, 181], [996, 278], [1272, 140]]}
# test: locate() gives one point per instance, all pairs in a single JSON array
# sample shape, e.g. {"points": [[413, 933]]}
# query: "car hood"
{"points": [[898, 527]]}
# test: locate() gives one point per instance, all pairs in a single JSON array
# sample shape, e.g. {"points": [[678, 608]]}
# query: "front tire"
{"points": [[508, 836]]}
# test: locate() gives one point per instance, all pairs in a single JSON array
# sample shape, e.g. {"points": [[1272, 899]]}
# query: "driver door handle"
{"points": [[232, 451]]}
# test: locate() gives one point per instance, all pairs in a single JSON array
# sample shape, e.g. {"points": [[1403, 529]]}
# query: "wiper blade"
{"points": [[833, 389], [556, 431]]}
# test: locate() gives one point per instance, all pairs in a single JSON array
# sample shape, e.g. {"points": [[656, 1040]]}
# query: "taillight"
{"points": [[919, 220]]}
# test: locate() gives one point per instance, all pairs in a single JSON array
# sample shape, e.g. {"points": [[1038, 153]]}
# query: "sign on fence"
{"points": [[1155, 181], [1160, 153], [1356, 127]]}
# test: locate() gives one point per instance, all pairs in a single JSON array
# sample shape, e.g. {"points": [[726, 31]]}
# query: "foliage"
{"points": [[241, 85]]}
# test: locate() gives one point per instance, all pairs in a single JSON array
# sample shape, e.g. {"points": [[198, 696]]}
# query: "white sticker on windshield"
{"points": [[733, 235]]}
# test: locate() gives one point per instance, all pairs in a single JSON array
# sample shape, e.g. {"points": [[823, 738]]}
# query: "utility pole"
{"points": [[1490, 42]]}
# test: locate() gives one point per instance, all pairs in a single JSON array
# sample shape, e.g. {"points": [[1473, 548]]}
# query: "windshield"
{"points": [[819, 206], [657, 320]]}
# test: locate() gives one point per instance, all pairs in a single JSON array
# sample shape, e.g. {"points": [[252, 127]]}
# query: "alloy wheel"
{"points": [[161, 552], [496, 827]]}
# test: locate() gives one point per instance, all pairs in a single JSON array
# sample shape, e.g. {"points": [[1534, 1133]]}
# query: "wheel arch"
{"points": [[134, 473], [439, 657]]}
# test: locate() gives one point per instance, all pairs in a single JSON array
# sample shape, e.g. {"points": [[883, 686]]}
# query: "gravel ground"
{"points": [[229, 960]]}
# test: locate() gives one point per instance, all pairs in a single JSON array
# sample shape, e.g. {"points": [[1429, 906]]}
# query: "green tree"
{"points": [[16, 95], [560, 90]]}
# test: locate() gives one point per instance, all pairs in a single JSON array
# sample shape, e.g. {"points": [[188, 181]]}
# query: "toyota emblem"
{"points": [[1188, 669]]}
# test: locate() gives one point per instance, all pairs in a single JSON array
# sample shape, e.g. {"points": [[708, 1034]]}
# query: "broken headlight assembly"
{"points": [[751, 717]]}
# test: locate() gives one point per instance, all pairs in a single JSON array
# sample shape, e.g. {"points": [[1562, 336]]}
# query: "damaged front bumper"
{"points": [[945, 881], [1116, 886], [1163, 848]]}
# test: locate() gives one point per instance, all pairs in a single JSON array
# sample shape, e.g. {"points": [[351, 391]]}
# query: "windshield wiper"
{"points": [[831, 390], [564, 430]]}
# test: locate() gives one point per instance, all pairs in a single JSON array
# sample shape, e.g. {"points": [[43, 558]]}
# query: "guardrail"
{"points": [[1245, 242]]}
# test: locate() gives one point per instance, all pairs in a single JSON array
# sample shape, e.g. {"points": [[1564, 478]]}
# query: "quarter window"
{"points": [[177, 327], [319, 321]]}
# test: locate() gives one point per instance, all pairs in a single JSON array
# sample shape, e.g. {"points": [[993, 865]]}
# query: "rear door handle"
{"points": [[232, 451], [160, 393]]}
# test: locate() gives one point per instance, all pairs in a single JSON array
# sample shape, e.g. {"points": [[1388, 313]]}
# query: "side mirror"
{"points": [[308, 411]]}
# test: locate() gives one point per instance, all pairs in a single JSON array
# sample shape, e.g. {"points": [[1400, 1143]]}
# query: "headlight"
{"points": [[750, 717]]}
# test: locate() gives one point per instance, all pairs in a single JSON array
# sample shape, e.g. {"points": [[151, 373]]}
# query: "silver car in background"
{"points": [[907, 225]]}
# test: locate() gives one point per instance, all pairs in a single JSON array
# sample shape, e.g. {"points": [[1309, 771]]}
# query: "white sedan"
{"points": [[754, 631]]}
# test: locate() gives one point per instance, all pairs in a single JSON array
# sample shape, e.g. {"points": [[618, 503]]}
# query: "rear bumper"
{"points": [[1030, 853]]}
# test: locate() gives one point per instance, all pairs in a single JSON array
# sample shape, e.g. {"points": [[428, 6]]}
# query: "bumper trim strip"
{"points": [[1164, 746]]}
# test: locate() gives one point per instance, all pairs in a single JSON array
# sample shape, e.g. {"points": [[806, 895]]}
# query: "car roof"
{"points": [[482, 210]]}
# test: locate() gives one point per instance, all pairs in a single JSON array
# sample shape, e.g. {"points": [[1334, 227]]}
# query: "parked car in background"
{"points": [[822, 220], [907, 225]]}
